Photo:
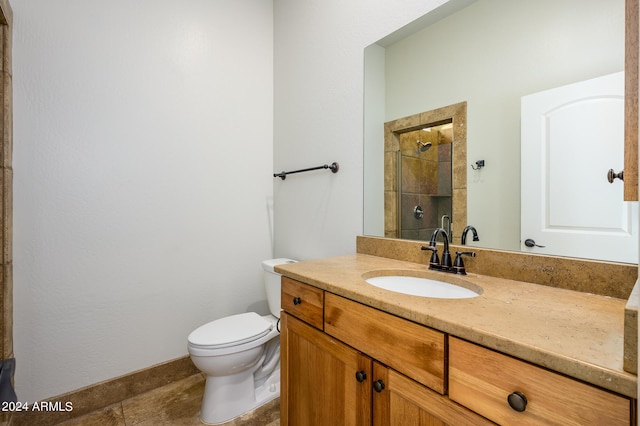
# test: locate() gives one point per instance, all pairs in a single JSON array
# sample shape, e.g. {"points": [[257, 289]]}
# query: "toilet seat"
{"points": [[230, 331]]}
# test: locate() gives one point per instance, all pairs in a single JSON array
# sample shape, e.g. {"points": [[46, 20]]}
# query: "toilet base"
{"points": [[225, 398]]}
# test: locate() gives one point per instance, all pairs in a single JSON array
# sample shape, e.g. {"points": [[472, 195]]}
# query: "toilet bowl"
{"points": [[240, 356]]}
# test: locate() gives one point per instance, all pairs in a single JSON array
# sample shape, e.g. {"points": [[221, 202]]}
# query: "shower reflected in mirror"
{"points": [[424, 181]]}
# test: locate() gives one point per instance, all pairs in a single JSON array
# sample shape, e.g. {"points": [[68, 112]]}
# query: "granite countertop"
{"points": [[574, 333]]}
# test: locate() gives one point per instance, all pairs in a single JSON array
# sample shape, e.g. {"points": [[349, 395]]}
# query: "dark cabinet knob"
{"points": [[361, 376], [378, 386], [297, 301], [517, 401]]}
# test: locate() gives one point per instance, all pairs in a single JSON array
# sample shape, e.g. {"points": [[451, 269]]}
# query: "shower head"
{"points": [[423, 146]]}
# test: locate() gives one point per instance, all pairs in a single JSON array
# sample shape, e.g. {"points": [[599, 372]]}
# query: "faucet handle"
{"points": [[434, 262], [458, 264]]}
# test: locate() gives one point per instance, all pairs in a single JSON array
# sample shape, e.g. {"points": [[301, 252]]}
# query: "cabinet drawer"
{"points": [[302, 301], [482, 380], [412, 349]]}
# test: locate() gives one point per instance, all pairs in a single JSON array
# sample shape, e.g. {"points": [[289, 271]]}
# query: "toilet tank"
{"points": [[272, 283]]}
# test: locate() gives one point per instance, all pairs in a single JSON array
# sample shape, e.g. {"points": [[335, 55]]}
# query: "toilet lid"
{"points": [[230, 331]]}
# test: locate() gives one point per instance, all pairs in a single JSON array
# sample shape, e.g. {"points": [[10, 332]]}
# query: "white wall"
{"points": [[143, 154], [318, 67]]}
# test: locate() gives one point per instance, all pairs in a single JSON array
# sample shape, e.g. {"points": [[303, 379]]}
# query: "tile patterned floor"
{"points": [[176, 404]]}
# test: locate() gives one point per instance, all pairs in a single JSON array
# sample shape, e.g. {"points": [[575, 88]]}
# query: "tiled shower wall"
{"points": [[6, 188], [426, 182]]}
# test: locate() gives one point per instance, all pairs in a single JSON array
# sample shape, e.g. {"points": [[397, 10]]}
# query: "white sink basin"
{"points": [[424, 287]]}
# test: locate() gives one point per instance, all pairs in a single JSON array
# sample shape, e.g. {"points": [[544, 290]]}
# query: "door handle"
{"points": [[612, 175], [531, 243]]}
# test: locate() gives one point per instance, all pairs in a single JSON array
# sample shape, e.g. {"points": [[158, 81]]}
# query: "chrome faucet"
{"points": [[434, 262], [464, 234]]}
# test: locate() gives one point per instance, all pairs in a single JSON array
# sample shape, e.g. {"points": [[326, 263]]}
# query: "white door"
{"points": [[571, 136]]}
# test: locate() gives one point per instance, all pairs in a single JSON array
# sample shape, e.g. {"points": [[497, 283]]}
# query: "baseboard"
{"points": [[103, 394]]}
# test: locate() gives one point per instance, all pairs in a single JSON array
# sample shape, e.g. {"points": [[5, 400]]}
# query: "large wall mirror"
{"points": [[488, 54]]}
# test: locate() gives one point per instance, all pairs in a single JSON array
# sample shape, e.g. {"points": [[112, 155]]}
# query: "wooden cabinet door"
{"points": [[318, 380], [407, 402]]}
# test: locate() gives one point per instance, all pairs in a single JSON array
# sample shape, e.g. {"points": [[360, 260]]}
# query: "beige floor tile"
{"points": [[267, 415], [109, 416], [175, 404]]}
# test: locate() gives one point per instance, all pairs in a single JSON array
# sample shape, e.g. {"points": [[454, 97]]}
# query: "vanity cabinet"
{"points": [[484, 380], [348, 380], [346, 363]]}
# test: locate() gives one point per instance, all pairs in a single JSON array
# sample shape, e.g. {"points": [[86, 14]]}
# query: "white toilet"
{"points": [[240, 355]]}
